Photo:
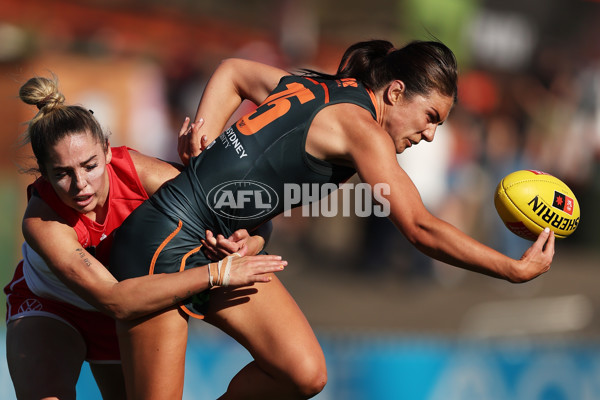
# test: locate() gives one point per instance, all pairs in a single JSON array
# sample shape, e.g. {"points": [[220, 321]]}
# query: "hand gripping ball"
{"points": [[529, 201]]}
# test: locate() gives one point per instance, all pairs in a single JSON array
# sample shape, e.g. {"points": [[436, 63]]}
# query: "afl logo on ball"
{"points": [[241, 199]]}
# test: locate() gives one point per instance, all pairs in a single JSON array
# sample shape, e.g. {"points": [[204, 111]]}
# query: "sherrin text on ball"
{"points": [[529, 201]]}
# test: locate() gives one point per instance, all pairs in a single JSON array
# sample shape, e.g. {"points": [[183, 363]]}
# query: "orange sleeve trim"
{"points": [[162, 246]]}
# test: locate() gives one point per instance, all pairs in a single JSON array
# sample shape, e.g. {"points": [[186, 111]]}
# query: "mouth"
{"points": [[83, 200], [411, 143]]}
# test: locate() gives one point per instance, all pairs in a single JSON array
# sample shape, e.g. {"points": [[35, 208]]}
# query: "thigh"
{"points": [[153, 355], [266, 320], [109, 378], [46, 351]]}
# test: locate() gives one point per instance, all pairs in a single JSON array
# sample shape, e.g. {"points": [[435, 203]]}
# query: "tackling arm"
{"points": [[57, 243]]}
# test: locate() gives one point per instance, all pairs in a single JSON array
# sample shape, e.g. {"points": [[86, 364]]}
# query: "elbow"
{"points": [[421, 233], [517, 277], [229, 65], [418, 234], [119, 313], [115, 313], [414, 235]]}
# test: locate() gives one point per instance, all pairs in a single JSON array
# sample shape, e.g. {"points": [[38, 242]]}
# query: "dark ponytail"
{"points": [[366, 62], [423, 66]]}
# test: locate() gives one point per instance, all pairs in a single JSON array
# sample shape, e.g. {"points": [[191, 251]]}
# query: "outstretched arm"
{"points": [[233, 81], [375, 160]]}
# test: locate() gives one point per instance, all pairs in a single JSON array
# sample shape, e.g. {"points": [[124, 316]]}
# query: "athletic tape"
{"points": [[210, 277], [227, 271], [221, 276]]}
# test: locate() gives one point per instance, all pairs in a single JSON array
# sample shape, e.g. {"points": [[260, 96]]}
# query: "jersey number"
{"points": [[273, 107]]}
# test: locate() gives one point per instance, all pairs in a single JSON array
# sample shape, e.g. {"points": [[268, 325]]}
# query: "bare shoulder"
{"points": [[38, 208], [40, 220], [343, 129]]}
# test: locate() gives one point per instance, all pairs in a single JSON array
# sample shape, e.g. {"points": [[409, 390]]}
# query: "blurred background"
{"points": [[393, 324]]}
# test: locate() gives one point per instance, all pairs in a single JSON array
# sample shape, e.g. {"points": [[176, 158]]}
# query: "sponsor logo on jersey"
{"points": [[230, 139], [240, 199]]}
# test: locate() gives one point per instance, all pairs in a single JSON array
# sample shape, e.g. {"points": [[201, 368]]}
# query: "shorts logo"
{"points": [[245, 200], [30, 305], [563, 202]]}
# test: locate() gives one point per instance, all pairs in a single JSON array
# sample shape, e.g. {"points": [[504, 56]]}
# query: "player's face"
{"points": [[76, 169], [410, 121]]}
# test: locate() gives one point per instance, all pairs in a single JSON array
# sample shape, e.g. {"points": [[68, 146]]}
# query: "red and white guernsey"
{"points": [[126, 193]]}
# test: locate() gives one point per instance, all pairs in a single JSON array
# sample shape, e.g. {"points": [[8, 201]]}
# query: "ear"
{"points": [[395, 91], [108, 154]]}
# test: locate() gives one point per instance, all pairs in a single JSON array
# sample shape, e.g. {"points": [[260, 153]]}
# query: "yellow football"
{"points": [[529, 201]]}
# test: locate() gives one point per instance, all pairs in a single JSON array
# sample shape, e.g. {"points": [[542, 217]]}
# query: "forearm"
{"points": [[140, 296], [136, 297], [445, 243], [219, 101]]}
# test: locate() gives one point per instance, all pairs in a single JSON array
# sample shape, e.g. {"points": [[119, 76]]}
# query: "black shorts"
{"points": [[151, 242]]}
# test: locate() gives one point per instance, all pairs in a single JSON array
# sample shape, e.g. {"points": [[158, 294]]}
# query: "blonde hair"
{"points": [[54, 119]]}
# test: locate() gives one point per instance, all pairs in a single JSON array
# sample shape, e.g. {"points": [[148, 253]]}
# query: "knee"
{"points": [[313, 386], [310, 377]]}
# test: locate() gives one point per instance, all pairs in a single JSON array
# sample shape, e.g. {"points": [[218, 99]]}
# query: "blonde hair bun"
{"points": [[42, 93]]}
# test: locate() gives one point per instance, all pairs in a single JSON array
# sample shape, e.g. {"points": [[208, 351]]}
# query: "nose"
{"points": [[79, 180], [429, 133]]}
